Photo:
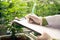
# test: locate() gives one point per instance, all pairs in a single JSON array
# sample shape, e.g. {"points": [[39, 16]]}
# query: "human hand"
{"points": [[32, 18], [44, 36]]}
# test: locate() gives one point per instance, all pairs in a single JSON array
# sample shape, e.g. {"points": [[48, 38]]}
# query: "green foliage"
{"points": [[2, 30], [18, 27], [47, 8], [10, 10]]}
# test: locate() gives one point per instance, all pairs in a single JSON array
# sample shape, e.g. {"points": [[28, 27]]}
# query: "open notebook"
{"points": [[54, 33]]}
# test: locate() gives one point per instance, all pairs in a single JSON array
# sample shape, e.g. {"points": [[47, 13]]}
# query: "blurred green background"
{"points": [[9, 9]]}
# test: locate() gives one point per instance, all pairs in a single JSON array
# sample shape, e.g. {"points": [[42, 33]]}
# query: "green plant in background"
{"points": [[18, 27], [13, 36], [11, 9], [46, 8]]}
